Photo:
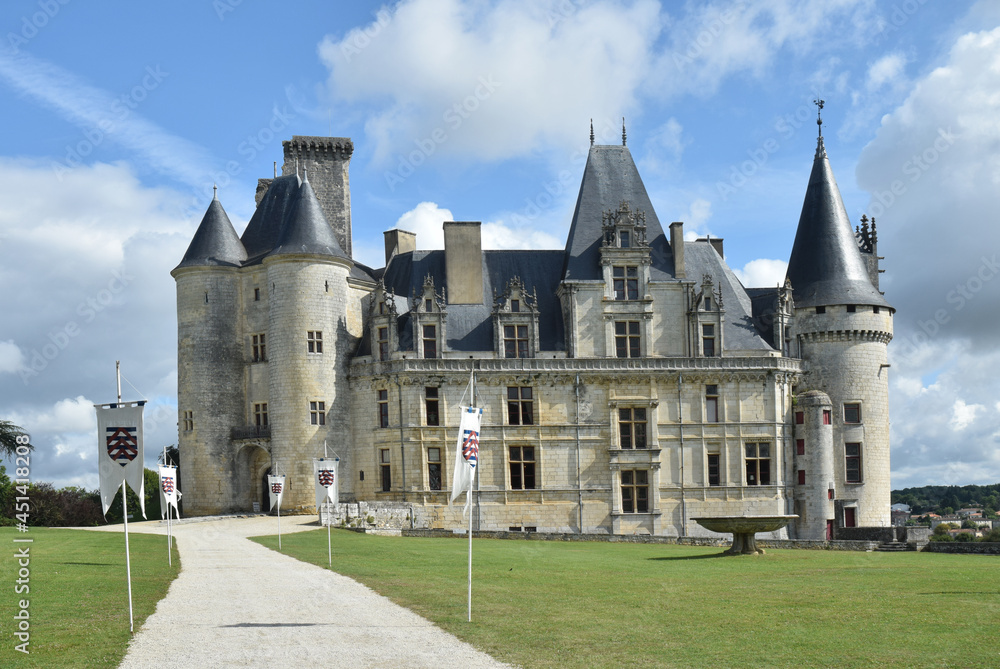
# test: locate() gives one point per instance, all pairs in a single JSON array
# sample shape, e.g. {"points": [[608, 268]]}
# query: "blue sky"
{"points": [[120, 116]]}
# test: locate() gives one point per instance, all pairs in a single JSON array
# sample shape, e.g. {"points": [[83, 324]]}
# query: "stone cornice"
{"points": [[880, 336]]}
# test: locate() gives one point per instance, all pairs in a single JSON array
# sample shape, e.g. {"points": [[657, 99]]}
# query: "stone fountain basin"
{"points": [[743, 529]]}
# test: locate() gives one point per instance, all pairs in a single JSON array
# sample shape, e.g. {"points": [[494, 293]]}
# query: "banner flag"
{"points": [[327, 480], [119, 450], [466, 454], [169, 494], [275, 488]]}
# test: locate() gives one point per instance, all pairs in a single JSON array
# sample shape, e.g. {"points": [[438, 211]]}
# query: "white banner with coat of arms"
{"points": [[327, 481], [275, 489], [119, 450]]}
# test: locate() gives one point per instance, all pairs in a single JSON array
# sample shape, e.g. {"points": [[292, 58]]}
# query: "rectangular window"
{"points": [[256, 294], [635, 491], [800, 447], [853, 469], [519, 406], [758, 463], [851, 308], [383, 343], [515, 306], [431, 405], [712, 404], [714, 469], [627, 339], [875, 310], [632, 428], [624, 239], [430, 341], [850, 515], [260, 414], [802, 477], [800, 418], [820, 310], [317, 413], [522, 467], [827, 417], [386, 470], [626, 282], [188, 421], [852, 412], [708, 340], [314, 341], [258, 345], [383, 408], [515, 341], [434, 468], [429, 305]]}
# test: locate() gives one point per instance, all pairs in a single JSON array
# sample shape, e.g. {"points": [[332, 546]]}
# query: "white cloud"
{"points": [[11, 357], [762, 273], [963, 415], [498, 235], [426, 220], [885, 71]]}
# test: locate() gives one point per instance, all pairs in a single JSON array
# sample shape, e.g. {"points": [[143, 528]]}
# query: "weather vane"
{"points": [[819, 115]]}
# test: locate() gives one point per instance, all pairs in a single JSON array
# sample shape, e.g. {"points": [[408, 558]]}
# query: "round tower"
{"points": [[308, 348], [814, 470], [209, 361], [842, 325]]}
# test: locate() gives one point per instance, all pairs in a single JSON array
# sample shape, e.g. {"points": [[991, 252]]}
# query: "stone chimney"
{"points": [[398, 241], [677, 246], [463, 261]]}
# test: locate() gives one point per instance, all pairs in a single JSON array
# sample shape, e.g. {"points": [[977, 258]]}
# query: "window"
{"points": [[800, 447], [430, 341], [625, 280], [853, 469], [800, 417], [383, 458], [434, 467], [627, 339], [802, 477], [258, 346], [515, 306], [758, 463], [850, 515], [256, 294], [383, 408], [632, 428], [712, 404], [314, 341], [428, 304], [875, 310], [431, 405], [820, 310], [852, 413], [317, 413], [381, 308], [383, 343], [519, 406], [188, 421], [515, 340], [635, 491], [624, 239], [708, 340], [522, 467], [260, 414], [851, 308], [714, 470], [827, 417], [708, 303]]}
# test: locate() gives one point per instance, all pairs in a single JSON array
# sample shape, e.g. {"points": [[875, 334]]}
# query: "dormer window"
{"points": [[625, 281], [624, 239], [515, 306], [515, 321], [428, 304], [708, 304]]}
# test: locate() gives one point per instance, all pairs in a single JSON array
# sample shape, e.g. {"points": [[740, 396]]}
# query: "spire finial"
{"points": [[819, 115], [591, 132], [215, 191], [623, 131], [275, 169], [305, 174]]}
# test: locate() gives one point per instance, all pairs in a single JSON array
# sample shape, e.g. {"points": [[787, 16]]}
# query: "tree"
{"points": [[9, 434]]}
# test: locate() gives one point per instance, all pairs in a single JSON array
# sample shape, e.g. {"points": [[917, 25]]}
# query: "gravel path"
{"points": [[238, 604]]}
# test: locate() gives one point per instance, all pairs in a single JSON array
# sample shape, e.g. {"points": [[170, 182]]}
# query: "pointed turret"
{"points": [[215, 243], [306, 229], [826, 266]]}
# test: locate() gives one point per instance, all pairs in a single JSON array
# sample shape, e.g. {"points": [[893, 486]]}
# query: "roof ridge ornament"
{"points": [[591, 132], [215, 191], [623, 131], [820, 148]]}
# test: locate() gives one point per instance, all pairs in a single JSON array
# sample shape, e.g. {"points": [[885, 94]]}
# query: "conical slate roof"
{"points": [[306, 229], [609, 178], [215, 243], [265, 226], [826, 266]]}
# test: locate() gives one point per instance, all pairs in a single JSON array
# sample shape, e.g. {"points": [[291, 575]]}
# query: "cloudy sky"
{"points": [[120, 116]]}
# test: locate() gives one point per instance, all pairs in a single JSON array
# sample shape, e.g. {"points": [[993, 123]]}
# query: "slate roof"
{"points": [[215, 242], [826, 266], [610, 177], [264, 229], [306, 229]]}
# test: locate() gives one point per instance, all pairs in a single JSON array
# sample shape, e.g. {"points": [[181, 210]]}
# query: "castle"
{"points": [[629, 381]]}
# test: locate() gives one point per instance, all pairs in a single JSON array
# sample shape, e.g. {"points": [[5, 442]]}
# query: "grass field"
{"points": [[78, 599], [554, 604]]}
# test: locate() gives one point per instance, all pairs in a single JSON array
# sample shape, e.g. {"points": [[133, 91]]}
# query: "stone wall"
{"points": [[967, 547]]}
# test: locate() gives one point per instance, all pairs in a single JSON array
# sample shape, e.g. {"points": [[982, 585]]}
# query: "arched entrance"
{"points": [[252, 463]]}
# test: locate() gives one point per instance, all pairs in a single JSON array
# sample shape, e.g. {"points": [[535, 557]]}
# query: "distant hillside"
{"points": [[948, 498]]}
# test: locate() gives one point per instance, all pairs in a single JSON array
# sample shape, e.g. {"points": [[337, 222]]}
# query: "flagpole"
{"points": [[472, 402], [170, 558], [279, 520], [128, 561], [329, 519]]}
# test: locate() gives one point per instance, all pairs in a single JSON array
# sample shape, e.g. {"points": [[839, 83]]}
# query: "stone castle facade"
{"points": [[629, 381]]}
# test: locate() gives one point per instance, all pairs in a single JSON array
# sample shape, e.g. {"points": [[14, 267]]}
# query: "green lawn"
{"points": [[555, 604], [79, 595]]}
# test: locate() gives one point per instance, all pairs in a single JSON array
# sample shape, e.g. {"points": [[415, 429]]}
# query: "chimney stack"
{"points": [[677, 246], [463, 261], [398, 241]]}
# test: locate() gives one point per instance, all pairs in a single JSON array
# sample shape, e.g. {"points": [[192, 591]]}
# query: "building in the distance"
{"points": [[629, 381]]}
